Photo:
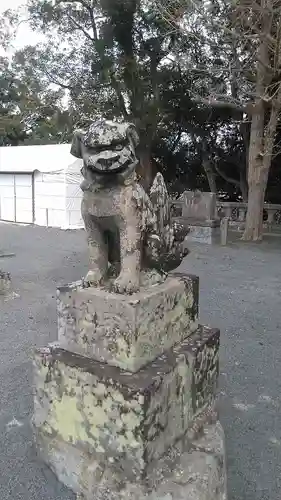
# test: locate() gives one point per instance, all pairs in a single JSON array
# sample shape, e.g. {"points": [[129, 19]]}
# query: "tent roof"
{"points": [[46, 159]]}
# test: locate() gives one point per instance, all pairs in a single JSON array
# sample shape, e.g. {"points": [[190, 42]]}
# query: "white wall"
{"points": [[57, 202], [57, 199], [57, 195], [49, 200], [23, 190], [73, 198], [7, 202], [16, 197]]}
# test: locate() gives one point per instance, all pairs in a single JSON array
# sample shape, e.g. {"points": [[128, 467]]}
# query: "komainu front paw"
{"points": [[94, 277], [127, 282]]}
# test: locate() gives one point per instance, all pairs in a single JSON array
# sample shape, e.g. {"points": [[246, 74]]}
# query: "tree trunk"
{"points": [[146, 170], [256, 177], [208, 167], [243, 185], [260, 154], [263, 134], [254, 219], [210, 174], [256, 174]]}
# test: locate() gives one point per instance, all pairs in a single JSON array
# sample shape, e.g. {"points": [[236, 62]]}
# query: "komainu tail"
{"points": [[165, 244]]}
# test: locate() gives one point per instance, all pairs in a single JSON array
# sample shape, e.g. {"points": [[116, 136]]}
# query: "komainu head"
{"points": [[106, 147]]}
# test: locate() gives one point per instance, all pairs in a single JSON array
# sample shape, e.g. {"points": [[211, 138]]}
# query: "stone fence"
{"points": [[236, 213]]}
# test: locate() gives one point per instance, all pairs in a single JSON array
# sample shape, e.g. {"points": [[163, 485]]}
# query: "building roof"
{"points": [[48, 158]]}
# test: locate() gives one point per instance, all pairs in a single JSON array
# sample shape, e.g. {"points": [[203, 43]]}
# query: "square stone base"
{"points": [[194, 469], [126, 420], [5, 283], [204, 232], [127, 331]]}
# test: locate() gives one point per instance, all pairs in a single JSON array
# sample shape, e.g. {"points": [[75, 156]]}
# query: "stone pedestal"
{"points": [[127, 331], [199, 213], [124, 403], [5, 283], [207, 232]]}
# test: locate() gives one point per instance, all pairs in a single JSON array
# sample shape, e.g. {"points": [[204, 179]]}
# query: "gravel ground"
{"points": [[240, 293]]}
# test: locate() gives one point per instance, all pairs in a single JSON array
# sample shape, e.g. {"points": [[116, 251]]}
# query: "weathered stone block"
{"points": [[208, 233], [123, 419], [5, 283], [199, 205], [194, 469], [127, 331]]}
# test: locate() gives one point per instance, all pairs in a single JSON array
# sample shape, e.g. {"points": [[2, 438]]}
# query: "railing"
{"points": [[236, 213]]}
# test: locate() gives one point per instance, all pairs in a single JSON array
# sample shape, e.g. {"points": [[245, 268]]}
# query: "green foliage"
{"points": [[158, 63], [113, 57], [30, 112], [11, 130]]}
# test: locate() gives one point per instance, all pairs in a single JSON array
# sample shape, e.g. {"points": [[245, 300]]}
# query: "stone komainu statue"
{"points": [[128, 230]]}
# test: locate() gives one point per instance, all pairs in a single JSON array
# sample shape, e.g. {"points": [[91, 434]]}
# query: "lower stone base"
{"points": [[194, 469], [115, 435], [204, 234], [5, 283]]}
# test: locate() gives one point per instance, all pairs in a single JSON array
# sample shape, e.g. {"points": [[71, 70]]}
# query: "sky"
{"points": [[24, 36], [10, 4]]}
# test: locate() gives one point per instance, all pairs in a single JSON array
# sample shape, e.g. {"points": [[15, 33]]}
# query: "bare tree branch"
{"points": [[79, 27], [231, 180], [214, 103]]}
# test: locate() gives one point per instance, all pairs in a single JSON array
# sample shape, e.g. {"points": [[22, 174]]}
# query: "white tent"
{"points": [[40, 185]]}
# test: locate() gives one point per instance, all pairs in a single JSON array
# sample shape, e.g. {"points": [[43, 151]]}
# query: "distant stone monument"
{"points": [[5, 284], [200, 214], [125, 402]]}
